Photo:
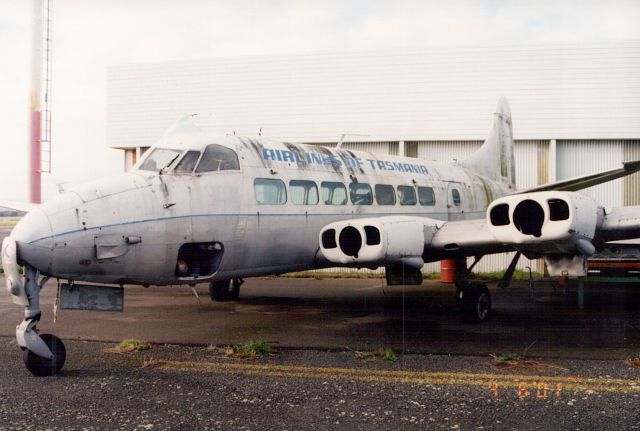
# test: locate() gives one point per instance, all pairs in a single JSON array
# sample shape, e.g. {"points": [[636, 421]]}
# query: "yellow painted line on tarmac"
{"points": [[573, 383]]}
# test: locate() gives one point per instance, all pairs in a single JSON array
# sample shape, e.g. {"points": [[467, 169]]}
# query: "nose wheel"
{"points": [[41, 366]]}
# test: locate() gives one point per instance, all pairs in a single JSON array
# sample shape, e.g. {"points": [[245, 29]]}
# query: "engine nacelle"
{"points": [[565, 220], [377, 241]]}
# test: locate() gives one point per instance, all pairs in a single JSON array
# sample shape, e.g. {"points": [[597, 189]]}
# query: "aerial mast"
{"points": [[40, 97]]}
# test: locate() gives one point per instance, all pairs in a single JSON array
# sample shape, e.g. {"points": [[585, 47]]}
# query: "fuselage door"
{"points": [[456, 200]]}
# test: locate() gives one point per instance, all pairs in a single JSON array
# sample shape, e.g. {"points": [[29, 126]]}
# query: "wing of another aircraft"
{"points": [[18, 206], [579, 183]]}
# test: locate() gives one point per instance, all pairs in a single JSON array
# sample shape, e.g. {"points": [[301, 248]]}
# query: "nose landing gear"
{"points": [[43, 355], [40, 366]]}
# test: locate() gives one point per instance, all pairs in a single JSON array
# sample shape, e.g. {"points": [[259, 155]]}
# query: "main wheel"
{"points": [[40, 366], [475, 301], [225, 290]]}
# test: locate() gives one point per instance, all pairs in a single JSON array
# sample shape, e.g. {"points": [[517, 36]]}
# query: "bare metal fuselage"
{"points": [[130, 228]]}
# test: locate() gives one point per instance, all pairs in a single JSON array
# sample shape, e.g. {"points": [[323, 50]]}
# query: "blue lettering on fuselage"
{"points": [[313, 158]]}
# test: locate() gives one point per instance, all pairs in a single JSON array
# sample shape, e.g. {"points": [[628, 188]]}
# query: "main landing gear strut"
{"points": [[225, 290], [474, 298], [44, 355]]}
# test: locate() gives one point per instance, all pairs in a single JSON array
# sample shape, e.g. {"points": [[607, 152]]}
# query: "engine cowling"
{"points": [[372, 242], [536, 221]]}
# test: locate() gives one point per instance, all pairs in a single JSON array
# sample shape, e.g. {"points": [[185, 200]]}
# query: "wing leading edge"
{"points": [[18, 206], [579, 183]]}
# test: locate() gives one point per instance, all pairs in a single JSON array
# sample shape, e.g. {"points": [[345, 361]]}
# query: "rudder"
{"points": [[495, 158]]}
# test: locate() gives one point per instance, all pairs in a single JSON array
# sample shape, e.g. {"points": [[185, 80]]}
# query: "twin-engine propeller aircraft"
{"points": [[218, 209]]}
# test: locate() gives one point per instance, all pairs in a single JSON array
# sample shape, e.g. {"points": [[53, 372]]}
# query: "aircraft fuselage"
{"points": [[261, 216]]}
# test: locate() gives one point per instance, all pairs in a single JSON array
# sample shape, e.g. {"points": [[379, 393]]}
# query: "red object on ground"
{"points": [[448, 271]]}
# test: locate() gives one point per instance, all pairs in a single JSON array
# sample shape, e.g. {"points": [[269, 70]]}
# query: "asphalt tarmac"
{"points": [[442, 379]]}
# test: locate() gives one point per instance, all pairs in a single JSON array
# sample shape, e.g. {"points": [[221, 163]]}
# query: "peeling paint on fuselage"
{"points": [[221, 207]]}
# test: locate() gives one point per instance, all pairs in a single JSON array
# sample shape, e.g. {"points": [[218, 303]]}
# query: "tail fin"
{"points": [[495, 159]]}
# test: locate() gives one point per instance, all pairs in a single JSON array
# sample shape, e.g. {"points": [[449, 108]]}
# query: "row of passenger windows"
{"points": [[303, 192]]}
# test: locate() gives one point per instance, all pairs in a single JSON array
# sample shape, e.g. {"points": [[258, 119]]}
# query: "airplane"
{"points": [[221, 208]]}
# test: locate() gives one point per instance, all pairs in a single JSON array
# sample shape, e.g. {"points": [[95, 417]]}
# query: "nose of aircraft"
{"points": [[34, 237]]}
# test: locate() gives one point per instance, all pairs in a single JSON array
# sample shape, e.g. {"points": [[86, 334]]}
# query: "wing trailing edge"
{"points": [[579, 183]]}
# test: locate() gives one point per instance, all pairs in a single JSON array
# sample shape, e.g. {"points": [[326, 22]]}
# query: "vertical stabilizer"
{"points": [[495, 159]]}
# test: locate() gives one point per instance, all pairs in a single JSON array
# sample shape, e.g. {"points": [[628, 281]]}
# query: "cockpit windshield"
{"points": [[188, 162], [159, 158], [218, 158]]}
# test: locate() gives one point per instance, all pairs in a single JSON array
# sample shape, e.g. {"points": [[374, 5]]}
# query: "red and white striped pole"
{"points": [[35, 97]]}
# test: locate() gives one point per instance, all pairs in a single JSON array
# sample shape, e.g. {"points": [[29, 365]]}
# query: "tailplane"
{"points": [[495, 159]]}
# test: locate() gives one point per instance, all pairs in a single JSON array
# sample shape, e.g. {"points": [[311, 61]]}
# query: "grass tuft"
{"points": [[384, 353], [507, 357], [129, 345], [250, 349], [634, 362]]}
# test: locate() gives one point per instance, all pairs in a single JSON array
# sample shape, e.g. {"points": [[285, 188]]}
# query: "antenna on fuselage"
{"points": [[341, 140]]}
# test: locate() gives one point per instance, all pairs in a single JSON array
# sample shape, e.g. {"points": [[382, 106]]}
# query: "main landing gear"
{"points": [[44, 355], [474, 301], [225, 290], [474, 298]]}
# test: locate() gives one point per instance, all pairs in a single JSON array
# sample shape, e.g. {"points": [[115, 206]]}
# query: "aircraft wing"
{"points": [[548, 224], [579, 183], [18, 206]]}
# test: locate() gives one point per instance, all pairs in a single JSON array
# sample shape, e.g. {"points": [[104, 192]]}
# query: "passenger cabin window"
{"points": [[333, 193], [218, 158], [303, 192], [426, 196], [159, 158], [455, 194], [269, 191], [385, 194], [188, 162], [360, 194], [407, 195]]}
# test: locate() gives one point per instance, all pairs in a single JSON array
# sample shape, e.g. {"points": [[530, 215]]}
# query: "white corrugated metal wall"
{"points": [[557, 91], [632, 182], [582, 157]]}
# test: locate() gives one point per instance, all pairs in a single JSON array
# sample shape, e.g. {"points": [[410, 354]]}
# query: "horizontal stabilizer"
{"points": [[18, 206], [579, 183]]}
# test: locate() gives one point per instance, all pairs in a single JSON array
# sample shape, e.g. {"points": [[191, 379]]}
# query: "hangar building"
{"points": [[575, 107]]}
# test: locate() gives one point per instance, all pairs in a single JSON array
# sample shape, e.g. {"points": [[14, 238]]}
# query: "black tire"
{"points": [[475, 303], [39, 366], [223, 291]]}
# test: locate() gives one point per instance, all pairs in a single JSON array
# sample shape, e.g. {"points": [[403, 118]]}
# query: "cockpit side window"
{"points": [[218, 158], [159, 158], [188, 162]]}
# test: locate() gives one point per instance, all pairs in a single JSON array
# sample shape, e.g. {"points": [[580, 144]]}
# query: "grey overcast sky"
{"points": [[90, 35]]}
